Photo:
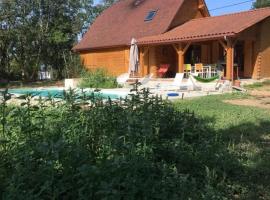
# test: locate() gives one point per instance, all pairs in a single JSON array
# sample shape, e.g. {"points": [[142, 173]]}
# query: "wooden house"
{"points": [[178, 32]]}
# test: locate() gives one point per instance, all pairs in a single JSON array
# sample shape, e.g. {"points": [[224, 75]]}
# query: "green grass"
{"points": [[246, 133], [257, 85]]}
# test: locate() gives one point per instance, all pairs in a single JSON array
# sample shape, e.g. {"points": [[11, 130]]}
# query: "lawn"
{"points": [[246, 133]]}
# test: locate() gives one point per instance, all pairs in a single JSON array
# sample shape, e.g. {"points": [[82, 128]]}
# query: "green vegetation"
{"points": [[136, 148], [261, 3], [38, 33], [98, 78], [206, 80], [245, 135], [257, 85]]}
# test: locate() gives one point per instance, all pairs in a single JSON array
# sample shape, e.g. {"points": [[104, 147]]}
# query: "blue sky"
{"points": [[212, 4]]}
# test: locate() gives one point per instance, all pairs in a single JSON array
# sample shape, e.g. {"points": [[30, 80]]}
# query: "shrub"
{"points": [[98, 78], [73, 66], [87, 148]]}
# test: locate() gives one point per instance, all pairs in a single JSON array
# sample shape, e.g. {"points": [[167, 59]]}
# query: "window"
{"points": [[150, 15]]}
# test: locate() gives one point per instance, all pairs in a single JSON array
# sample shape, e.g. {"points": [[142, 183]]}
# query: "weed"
{"points": [[98, 78], [140, 147]]}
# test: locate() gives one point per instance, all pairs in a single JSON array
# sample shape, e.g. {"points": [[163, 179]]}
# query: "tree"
{"points": [[36, 33], [262, 3]]}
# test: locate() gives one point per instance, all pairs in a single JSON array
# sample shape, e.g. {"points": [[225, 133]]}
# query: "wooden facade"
{"points": [[254, 44], [116, 60], [250, 49]]}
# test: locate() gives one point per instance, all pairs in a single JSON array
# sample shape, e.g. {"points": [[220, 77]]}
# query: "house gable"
{"points": [[125, 20], [191, 9]]}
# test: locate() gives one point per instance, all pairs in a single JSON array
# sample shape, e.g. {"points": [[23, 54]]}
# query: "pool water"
{"points": [[57, 93]]}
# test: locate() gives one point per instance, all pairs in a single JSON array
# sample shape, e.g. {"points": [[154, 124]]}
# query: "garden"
{"points": [[141, 147]]}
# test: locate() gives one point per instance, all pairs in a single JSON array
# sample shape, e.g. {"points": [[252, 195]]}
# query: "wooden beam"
{"points": [[175, 47], [223, 44], [186, 47], [230, 61], [201, 6], [146, 50]]}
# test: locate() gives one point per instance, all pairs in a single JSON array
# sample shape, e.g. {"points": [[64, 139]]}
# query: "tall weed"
{"points": [[98, 78], [83, 147]]}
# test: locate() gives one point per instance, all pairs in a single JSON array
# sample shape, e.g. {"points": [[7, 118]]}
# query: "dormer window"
{"points": [[138, 2], [150, 16]]}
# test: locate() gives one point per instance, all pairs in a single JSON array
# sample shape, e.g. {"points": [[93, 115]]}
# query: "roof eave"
{"points": [[79, 50], [178, 40]]}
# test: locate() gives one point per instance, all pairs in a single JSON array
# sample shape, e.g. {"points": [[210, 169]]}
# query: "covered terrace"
{"points": [[231, 40]]}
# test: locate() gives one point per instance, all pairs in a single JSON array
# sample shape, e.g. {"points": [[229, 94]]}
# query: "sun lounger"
{"points": [[178, 84], [145, 80], [122, 79]]}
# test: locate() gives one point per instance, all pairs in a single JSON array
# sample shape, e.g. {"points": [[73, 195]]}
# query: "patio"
{"points": [[228, 59]]}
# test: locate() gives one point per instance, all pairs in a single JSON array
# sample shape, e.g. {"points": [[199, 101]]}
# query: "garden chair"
{"points": [[199, 68], [188, 69]]}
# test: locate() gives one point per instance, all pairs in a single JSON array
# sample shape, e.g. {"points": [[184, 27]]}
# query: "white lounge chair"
{"points": [[177, 84], [195, 83], [122, 79], [146, 79]]}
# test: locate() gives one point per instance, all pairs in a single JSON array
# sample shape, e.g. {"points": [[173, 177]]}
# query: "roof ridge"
{"points": [[231, 14]]}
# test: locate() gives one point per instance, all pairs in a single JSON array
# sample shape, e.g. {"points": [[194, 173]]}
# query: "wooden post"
{"points": [[141, 66], [181, 58], [230, 61], [229, 48], [181, 50]]}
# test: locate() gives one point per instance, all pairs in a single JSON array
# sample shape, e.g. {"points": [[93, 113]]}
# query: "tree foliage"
{"points": [[262, 3], [36, 33]]}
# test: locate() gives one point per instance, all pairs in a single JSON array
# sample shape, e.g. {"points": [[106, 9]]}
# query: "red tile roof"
{"points": [[210, 27], [120, 23]]}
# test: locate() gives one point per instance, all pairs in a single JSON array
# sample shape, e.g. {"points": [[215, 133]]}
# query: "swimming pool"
{"points": [[59, 93]]}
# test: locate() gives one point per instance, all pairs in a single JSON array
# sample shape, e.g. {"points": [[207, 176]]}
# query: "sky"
{"points": [[213, 4]]}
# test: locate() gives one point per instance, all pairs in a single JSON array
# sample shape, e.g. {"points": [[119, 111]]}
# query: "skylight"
{"points": [[150, 16]]}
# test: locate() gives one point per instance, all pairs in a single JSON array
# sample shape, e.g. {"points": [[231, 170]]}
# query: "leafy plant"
{"points": [[140, 147], [98, 78]]}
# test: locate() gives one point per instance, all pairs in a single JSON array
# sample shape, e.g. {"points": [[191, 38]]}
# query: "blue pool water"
{"points": [[57, 93]]}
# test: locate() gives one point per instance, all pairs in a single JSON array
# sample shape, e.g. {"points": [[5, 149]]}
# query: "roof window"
{"points": [[150, 16], [137, 2]]}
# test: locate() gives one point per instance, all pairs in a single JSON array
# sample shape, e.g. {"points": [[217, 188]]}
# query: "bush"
{"points": [[85, 148], [73, 66], [98, 78]]}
